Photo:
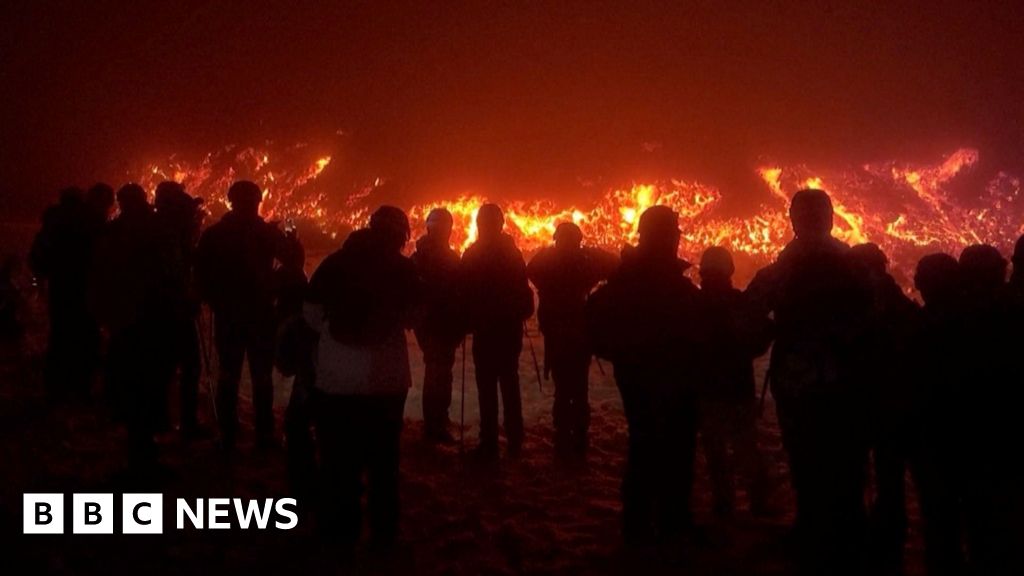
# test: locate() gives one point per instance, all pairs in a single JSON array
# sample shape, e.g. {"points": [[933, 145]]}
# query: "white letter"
{"points": [[218, 509], [196, 518], [252, 509], [282, 511]]}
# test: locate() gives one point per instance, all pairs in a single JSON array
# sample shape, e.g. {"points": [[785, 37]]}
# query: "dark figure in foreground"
{"points": [[728, 408], [939, 444], [989, 408], [61, 256], [362, 298], [179, 217], [564, 275], [294, 357], [136, 289], [497, 298], [648, 321], [235, 271], [886, 377], [820, 305], [439, 331]]}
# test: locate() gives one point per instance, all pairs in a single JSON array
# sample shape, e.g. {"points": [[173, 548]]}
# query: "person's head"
{"points": [[100, 199], [659, 232], [810, 211], [568, 236], [938, 278], [391, 226], [132, 200], [490, 221], [983, 268], [869, 258], [439, 224], [716, 266], [170, 195], [245, 197]]}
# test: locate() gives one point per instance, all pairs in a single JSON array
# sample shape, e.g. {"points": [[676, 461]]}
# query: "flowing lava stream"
{"points": [[908, 210]]}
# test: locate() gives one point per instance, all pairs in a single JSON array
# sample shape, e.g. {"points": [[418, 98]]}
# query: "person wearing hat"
{"points": [[440, 329], [820, 304], [728, 411], [361, 300], [497, 299], [235, 273], [649, 322], [564, 275]]}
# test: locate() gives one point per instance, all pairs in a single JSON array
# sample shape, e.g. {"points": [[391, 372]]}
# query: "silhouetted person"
{"points": [[887, 378], [938, 455], [179, 217], [497, 298], [1017, 277], [134, 292], [564, 275], [60, 257], [294, 357], [99, 202], [648, 321], [819, 305], [990, 408], [362, 298], [728, 410], [440, 329], [235, 271]]}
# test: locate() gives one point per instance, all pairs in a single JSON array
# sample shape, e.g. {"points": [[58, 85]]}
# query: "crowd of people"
{"points": [[860, 372]]}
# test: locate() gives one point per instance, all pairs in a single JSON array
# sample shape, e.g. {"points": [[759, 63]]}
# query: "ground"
{"points": [[531, 515]]}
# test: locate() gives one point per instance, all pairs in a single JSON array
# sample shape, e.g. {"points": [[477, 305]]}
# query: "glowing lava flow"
{"points": [[908, 210]]}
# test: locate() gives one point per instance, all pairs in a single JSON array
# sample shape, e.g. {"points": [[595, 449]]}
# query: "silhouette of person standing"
{"points": [[938, 450], [60, 257], [887, 377], [134, 292], [728, 414], [497, 298], [440, 329], [179, 217], [819, 305], [361, 300], [564, 275], [235, 271], [990, 407], [647, 320]]}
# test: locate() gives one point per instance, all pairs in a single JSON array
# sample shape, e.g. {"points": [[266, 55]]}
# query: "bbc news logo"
{"points": [[144, 513]]}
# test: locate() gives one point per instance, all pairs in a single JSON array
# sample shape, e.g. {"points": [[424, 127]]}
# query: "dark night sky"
{"points": [[500, 98]]}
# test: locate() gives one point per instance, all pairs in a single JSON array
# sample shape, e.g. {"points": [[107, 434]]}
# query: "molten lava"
{"points": [[908, 210]]}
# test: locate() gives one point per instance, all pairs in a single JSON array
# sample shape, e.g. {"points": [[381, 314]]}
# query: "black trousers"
{"points": [[662, 419], [569, 361], [827, 450], [496, 356], [134, 362], [358, 434], [183, 348], [439, 362], [72, 351], [236, 339]]}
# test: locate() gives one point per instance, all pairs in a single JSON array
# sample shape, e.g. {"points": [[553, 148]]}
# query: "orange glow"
{"points": [[908, 210]]}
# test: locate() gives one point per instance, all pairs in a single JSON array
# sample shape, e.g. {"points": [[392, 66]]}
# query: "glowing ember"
{"points": [[908, 210]]}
